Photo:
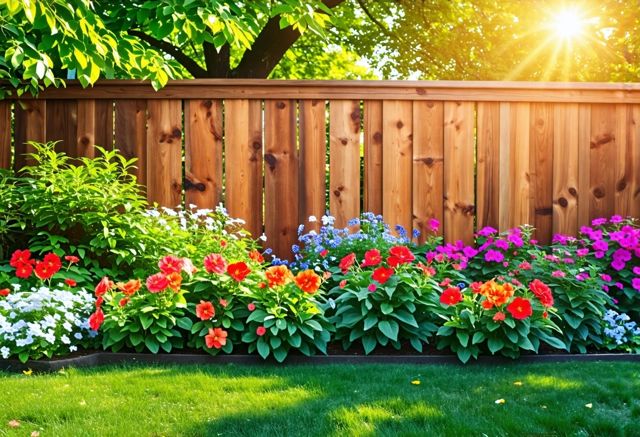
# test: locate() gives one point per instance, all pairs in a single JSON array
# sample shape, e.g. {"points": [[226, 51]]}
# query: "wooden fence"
{"points": [[470, 154]]}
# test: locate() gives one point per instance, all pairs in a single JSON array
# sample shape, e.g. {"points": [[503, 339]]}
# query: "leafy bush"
{"points": [[498, 316], [383, 301]]}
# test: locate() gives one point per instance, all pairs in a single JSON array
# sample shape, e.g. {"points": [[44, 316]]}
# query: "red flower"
{"points": [[371, 258], [476, 287], [520, 308], [382, 274], [278, 275], [215, 263], [70, 282], [129, 287], [175, 281], [542, 292], [343, 283], [308, 281], [347, 262], [399, 255], [4, 292], [324, 253], [216, 338], [223, 303], [427, 270], [261, 331], [256, 256], [170, 264], [24, 271], [157, 283], [99, 301], [53, 261], [238, 271], [103, 286], [44, 270], [72, 259], [499, 316], [205, 310], [20, 257], [451, 296], [96, 319], [487, 304], [123, 301], [251, 307]]}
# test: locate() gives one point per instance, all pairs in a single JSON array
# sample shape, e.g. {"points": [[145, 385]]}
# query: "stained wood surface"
{"points": [[313, 163], [373, 156], [459, 125], [203, 153], [428, 166], [243, 154], [164, 152], [565, 169], [603, 158], [30, 126], [131, 134], [281, 176], [541, 170], [85, 140], [344, 160], [5, 134], [488, 158], [62, 125]]}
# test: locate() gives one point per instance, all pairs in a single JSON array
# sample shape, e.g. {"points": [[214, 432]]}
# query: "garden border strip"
{"points": [[106, 358]]}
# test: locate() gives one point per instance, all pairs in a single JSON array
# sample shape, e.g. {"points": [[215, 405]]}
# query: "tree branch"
{"points": [[269, 47], [192, 66], [217, 62], [374, 20]]}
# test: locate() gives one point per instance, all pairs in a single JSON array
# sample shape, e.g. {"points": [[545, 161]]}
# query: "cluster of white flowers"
{"points": [[192, 218], [44, 320]]}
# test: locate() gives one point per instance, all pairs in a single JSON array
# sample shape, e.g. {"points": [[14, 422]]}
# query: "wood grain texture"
{"points": [[603, 159], [459, 142], [428, 165], [203, 153], [541, 170], [397, 167], [62, 125], [373, 156], [344, 160], [30, 125], [104, 119], [627, 164], [634, 156], [164, 152], [85, 140], [281, 176], [243, 162], [5, 134], [313, 165], [488, 165], [131, 134], [584, 164], [565, 168]]}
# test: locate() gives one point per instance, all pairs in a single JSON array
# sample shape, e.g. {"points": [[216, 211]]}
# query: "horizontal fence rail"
{"points": [[470, 154]]}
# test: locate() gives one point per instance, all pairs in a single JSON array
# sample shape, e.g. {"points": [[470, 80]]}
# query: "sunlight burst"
{"points": [[568, 23]]}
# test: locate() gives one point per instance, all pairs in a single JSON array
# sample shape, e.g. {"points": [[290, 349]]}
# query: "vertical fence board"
{"points": [[397, 162], [313, 152], [505, 213], [164, 152], [373, 156], [203, 153], [521, 195], [344, 160], [627, 164], [131, 134], [541, 170], [634, 145], [281, 175], [85, 140], [104, 123], [243, 154], [428, 157], [488, 179], [584, 165], [603, 161], [62, 125], [459, 125], [5, 134], [565, 168], [30, 125]]}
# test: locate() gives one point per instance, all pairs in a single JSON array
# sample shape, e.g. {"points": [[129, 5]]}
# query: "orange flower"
{"points": [[129, 287], [205, 310], [308, 281], [256, 256], [175, 281], [216, 338], [496, 294], [278, 275], [238, 271]]}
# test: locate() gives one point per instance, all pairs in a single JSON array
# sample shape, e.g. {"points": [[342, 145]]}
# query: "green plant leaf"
{"points": [[152, 344], [389, 328], [386, 308], [263, 348], [495, 344]]}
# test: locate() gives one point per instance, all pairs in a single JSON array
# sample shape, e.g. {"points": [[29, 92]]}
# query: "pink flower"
{"points": [[260, 331], [170, 264], [215, 263], [493, 255], [434, 225], [251, 307], [372, 287], [558, 274], [157, 283], [635, 283]]}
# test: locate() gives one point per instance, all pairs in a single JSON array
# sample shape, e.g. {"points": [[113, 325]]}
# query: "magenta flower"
{"points": [[635, 283], [598, 222], [487, 231], [493, 255], [558, 274]]}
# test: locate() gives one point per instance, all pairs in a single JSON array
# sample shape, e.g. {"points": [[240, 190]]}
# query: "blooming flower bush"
{"points": [[620, 332]]}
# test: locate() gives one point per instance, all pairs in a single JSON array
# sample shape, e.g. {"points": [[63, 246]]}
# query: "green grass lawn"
{"points": [[581, 399]]}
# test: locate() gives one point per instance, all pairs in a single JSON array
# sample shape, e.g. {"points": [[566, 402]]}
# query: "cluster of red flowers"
{"points": [[398, 255], [50, 265], [215, 263]]}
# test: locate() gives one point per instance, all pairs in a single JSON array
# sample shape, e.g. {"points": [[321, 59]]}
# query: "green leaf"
{"points": [[146, 321], [315, 325], [495, 344], [281, 324], [257, 316], [416, 343], [463, 337], [478, 337], [152, 344], [406, 317], [386, 308], [263, 348], [185, 323], [369, 343], [275, 342], [389, 328], [295, 340], [526, 344], [464, 354], [280, 354], [370, 321], [553, 342]]}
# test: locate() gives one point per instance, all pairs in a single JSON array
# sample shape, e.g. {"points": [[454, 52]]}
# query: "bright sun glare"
{"points": [[568, 24]]}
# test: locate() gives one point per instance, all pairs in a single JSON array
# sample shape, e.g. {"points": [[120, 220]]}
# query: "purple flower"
{"points": [[629, 241], [558, 274], [560, 239], [434, 225], [502, 244], [618, 264], [616, 219], [598, 222], [516, 240], [552, 258], [582, 276], [585, 230], [600, 245], [636, 270], [619, 285], [635, 283], [568, 261], [469, 252], [599, 254], [596, 235], [487, 231], [605, 277], [493, 255], [622, 255], [582, 252]]}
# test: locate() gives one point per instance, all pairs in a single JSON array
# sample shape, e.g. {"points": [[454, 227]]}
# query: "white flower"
{"points": [[312, 219], [73, 348], [5, 351], [65, 340], [263, 237]]}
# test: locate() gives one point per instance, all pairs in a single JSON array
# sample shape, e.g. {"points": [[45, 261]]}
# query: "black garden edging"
{"points": [[106, 358]]}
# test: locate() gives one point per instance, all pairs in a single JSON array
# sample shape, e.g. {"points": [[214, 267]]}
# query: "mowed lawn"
{"points": [[576, 399]]}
